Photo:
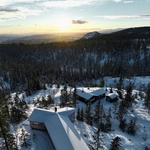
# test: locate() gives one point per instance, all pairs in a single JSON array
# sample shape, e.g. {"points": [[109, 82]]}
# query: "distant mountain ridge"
{"points": [[47, 38], [39, 38], [137, 30], [130, 31], [91, 35]]}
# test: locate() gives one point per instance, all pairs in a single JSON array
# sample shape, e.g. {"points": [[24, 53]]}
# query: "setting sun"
{"points": [[63, 24]]}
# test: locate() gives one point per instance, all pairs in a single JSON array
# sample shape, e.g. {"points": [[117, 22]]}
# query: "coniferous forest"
{"points": [[123, 54]]}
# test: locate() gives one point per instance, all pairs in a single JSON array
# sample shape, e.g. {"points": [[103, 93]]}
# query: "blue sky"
{"points": [[53, 16]]}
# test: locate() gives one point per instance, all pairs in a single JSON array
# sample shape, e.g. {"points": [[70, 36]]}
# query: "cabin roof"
{"points": [[60, 128], [87, 93], [112, 95]]}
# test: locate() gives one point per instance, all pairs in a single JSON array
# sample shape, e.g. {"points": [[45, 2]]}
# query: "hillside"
{"points": [[137, 111], [77, 61]]}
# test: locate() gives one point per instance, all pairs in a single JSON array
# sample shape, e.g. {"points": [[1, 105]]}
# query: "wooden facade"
{"points": [[37, 125]]}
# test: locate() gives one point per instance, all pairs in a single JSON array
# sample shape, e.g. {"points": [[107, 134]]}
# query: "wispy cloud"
{"points": [[124, 1], [127, 2], [9, 10], [126, 17], [117, 1], [67, 3], [20, 9], [7, 14], [79, 21]]}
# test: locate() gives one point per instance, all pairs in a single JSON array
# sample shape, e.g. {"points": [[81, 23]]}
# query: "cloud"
{"points": [[125, 17], [50, 3], [9, 10], [124, 1], [18, 13], [127, 2], [67, 3], [117, 1], [79, 21]]}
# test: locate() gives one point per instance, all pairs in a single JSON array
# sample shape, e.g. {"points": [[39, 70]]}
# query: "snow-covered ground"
{"points": [[138, 82], [129, 142]]}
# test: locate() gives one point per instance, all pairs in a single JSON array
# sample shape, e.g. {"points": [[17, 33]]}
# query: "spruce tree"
{"points": [[115, 144], [74, 96], [122, 124], [147, 99], [108, 124], [78, 116], [88, 114], [98, 140], [8, 139], [122, 110], [82, 115], [128, 97], [97, 113], [24, 140], [102, 83], [50, 100], [131, 127]]}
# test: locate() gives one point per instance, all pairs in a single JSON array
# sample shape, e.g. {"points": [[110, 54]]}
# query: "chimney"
{"points": [[55, 109]]}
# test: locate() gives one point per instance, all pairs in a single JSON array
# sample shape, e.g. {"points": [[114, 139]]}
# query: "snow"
{"points": [[112, 95], [90, 35], [87, 92], [60, 128], [129, 142], [138, 82]]}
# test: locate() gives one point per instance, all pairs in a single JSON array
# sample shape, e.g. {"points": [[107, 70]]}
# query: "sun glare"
{"points": [[63, 24]]}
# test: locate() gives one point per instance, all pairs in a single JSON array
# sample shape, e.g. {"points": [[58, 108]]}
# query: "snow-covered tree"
{"points": [[131, 126], [115, 144], [24, 140], [98, 140], [147, 99]]}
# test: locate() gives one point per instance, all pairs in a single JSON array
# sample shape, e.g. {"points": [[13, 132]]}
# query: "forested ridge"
{"points": [[28, 66]]}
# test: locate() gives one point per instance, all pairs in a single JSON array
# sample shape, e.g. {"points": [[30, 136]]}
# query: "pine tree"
{"points": [[108, 124], [97, 113], [64, 97], [122, 124], [122, 110], [74, 96], [12, 142], [115, 144], [82, 114], [4, 129], [24, 136], [131, 127], [115, 107], [88, 114], [128, 97], [78, 116], [17, 114], [8, 140], [102, 83], [147, 99], [98, 140], [16, 99], [50, 100]]}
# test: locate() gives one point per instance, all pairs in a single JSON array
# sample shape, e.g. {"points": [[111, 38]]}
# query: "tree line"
{"points": [[29, 66]]}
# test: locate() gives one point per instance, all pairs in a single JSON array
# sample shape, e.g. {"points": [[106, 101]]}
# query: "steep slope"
{"points": [[91, 35]]}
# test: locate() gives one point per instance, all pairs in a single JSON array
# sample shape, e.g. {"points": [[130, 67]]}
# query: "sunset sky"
{"points": [[53, 16]]}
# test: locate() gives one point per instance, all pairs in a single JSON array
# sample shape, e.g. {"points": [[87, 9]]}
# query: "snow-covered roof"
{"points": [[61, 130], [87, 93], [112, 95]]}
